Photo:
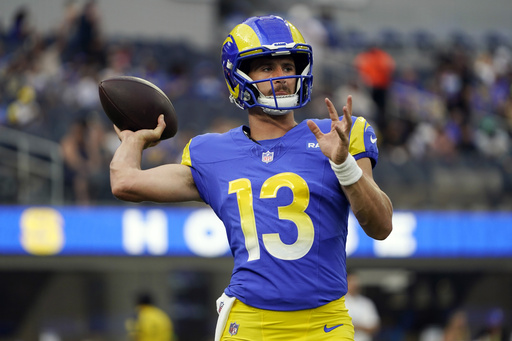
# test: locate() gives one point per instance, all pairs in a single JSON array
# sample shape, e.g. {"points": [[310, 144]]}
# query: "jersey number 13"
{"points": [[294, 212]]}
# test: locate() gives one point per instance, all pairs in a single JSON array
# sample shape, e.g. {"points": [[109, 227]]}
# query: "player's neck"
{"points": [[266, 127]]}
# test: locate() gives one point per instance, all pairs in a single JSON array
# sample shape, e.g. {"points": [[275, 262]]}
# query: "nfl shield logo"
{"points": [[233, 328], [267, 157]]}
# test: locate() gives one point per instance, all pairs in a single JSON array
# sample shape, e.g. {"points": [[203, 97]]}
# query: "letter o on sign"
{"points": [[205, 234]]}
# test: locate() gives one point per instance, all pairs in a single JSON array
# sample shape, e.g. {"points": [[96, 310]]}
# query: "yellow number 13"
{"points": [[293, 212]]}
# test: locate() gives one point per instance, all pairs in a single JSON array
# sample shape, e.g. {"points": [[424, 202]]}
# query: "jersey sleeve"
{"points": [[363, 140], [186, 160]]}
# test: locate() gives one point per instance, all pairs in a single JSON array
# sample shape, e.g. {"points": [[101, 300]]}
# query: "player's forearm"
{"points": [[123, 169], [371, 206]]}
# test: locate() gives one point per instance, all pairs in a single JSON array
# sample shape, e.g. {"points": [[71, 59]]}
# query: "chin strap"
{"points": [[275, 112], [282, 101]]}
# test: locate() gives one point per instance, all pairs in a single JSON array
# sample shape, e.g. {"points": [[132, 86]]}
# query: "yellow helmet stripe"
{"points": [[245, 37], [296, 35], [234, 91]]}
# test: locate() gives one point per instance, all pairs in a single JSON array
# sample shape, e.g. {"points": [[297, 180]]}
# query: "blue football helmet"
{"points": [[266, 36]]}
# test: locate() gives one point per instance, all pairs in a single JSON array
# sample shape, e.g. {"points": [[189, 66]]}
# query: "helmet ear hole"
{"points": [[254, 91]]}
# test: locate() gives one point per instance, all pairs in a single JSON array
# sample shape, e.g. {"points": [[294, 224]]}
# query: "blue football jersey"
{"points": [[284, 211]]}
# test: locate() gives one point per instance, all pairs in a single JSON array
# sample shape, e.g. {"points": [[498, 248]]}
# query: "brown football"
{"points": [[133, 103]]}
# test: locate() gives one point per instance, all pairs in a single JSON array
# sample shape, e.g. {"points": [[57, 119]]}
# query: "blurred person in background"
{"points": [[150, 323], [20, 29], [75, 154], [84, 153], [282, 189], [363, 103], [315, 33], [495, 328], [491, 139], [457, 328], [24, 111], [376, 68], [363, 311], [86, 43]]}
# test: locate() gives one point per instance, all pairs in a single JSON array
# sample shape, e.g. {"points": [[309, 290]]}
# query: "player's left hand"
{"points": [[335, 143]]}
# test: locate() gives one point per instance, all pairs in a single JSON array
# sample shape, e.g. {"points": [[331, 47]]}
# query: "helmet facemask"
{"points": [[274, 104]]}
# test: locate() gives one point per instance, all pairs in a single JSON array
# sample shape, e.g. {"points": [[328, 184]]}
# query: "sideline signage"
{"points": [[171, 231]]}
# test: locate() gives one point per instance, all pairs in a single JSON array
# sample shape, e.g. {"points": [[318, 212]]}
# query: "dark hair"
{"points": [[144, 298]]}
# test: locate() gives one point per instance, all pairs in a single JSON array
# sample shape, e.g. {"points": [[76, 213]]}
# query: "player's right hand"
{"points": [[147, 137]]}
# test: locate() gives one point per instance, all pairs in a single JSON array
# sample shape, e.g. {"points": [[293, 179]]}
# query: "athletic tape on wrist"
{"points": [[348, 172]]}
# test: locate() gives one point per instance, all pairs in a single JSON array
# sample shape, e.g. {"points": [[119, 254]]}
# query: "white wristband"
{"points": [[348, 172]]}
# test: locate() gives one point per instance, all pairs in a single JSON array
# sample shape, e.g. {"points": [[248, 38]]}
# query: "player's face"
{"points": [[264, 68]]}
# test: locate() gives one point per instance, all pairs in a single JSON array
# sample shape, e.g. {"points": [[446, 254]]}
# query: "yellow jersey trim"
{"points": [[185, 158], [356, 145]]}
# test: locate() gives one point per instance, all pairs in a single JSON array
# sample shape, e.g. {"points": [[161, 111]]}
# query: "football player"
{"points": [[282, 188]]}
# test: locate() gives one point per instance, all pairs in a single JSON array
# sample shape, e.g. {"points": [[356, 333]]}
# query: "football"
{"points": [[133, 103]]}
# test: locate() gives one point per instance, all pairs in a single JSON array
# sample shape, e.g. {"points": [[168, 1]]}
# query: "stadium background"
{"points": [[71, 264]]}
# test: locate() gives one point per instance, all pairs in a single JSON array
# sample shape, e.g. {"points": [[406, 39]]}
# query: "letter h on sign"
{"points": [[140, 232]]}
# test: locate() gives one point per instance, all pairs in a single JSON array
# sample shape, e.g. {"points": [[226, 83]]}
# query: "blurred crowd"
{"points": [[442, 108]]}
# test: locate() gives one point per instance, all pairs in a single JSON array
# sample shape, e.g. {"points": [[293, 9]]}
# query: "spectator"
{"points": [[495, 329], [24, 111], [20, 29], [315, 33], [457, 328], [491, 139], [87, 44], [119, 61], [376, 68], [363, 311], [67, 27], [363, 103], [84, 160], [151, 323]]}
